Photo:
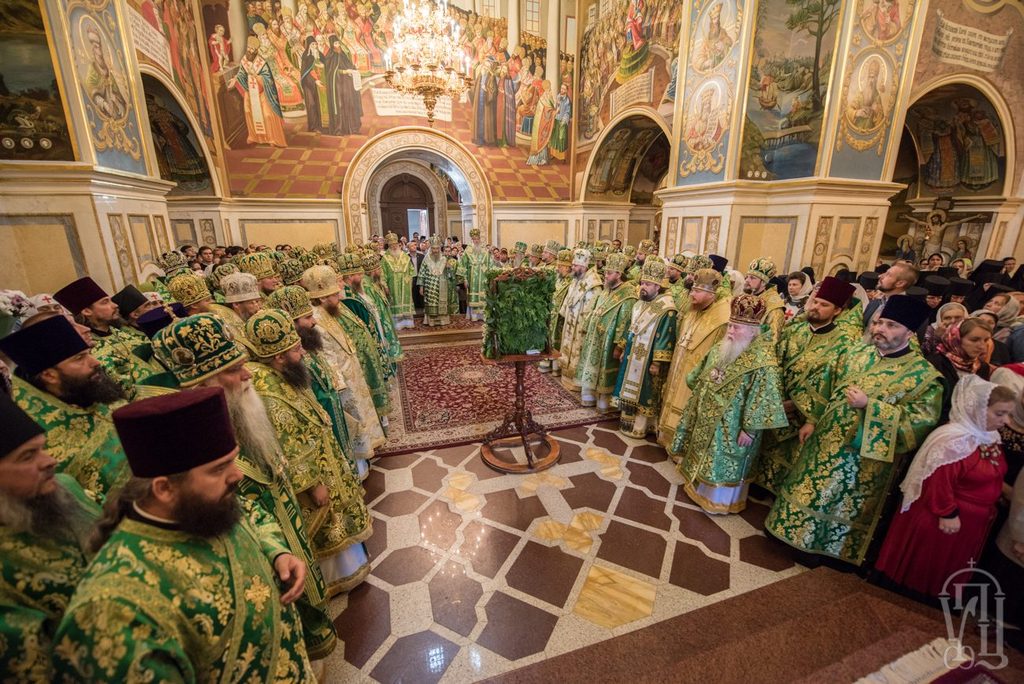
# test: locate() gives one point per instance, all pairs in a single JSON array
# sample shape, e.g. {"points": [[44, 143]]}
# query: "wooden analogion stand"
{"points": [[541, 449]]}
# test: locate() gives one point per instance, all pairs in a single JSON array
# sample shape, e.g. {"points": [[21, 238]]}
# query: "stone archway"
{"points": [[419, 170], [424, 145]]}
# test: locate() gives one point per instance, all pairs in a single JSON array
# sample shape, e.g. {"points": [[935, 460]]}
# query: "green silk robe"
{"points": [[366, 312], [436, 280], [378, 304], [606, 332], [474, 263], [399, 271], [557, 321], [744, 396], [313, 457], [38, 575], [82, 440], [159, 605], [126, 355], [833, 497], [234, 323], [327, 396], [811, 364], [579, 303], [651, 339], [347, 324], [775, 317], [271, 491]]}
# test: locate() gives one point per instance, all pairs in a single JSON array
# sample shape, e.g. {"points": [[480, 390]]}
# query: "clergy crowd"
{"points": [[181, 461]]}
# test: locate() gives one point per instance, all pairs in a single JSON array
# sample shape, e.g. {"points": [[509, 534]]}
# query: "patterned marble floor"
{"points": [[476, 573]]}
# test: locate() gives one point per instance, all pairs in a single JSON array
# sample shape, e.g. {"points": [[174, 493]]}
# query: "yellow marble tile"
{"points": [[463, 500], [609, 598], [577, 539], [587, 521], [531, 483], [460, 479], [550, 530], [610, 467]]}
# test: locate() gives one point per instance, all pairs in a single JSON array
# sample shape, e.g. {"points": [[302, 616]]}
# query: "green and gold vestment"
{"points": [[557, 321], [435, 278], [576, 309], [126, 355], [606, 331], [473, 265], [651, 340], [378, 305], [349, 326], [399, 271]]}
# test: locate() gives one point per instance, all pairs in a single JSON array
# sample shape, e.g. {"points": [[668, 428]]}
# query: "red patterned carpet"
{"points": [[448, 395], [459, 323]]}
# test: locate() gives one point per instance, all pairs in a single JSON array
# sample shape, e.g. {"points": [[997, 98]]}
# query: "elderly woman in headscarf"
{"points": [[947, 315], [798, 290], [997, 354], [1009, 319], [960, 354], [950, 492]]}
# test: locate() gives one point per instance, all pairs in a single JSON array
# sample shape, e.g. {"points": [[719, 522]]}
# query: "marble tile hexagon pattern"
{"points": [[475, 573]]}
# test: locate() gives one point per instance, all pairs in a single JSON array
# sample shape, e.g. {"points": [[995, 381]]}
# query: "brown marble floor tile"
{"points": [[515, 629], [636, 506], [576, 434], [633, 548], [405, 565], [454, 456], [427, 475], [438, 525], [399, 503], [374, 485], [694, 570], [649, 478], [506, 507], [453, 598], [477, 466], [547, 573], [569, 452], [755, 513], [766, 553], [396, 462], [378, 541], [486, 547], [699, 526], [365, 623], [589, 491], [610, 441], [648, 453], [421, 657]]}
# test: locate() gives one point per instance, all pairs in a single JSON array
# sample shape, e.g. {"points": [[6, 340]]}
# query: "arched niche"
{"points": [[181, 154], [386, 173], [418, 144], [629, 161]]}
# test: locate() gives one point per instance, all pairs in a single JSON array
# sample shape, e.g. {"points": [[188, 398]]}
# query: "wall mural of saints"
{"points": [[178, 153], [794, 42], [106, 87], [33, 125]]}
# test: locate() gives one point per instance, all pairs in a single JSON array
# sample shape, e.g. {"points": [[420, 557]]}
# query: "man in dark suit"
{"points": [[896, 280]]}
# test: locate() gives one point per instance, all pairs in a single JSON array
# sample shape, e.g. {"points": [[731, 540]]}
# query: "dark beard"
{"points": [[296, 374], [648, 297], [204, 519], [48, 515], [98, 388], [311, 340]]}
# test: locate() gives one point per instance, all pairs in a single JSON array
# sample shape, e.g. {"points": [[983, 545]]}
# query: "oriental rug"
{"points": [[447, 395]]}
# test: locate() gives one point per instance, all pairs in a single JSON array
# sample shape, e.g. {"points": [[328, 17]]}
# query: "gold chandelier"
{"points": [[425, 58]]}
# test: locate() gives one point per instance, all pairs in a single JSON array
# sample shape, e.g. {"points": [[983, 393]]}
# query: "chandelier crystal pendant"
{"points": [[425, 57]]}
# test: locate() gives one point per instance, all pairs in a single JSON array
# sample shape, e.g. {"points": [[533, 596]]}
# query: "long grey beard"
{"points": [[256, 435], [730, 350], [56, 514]]}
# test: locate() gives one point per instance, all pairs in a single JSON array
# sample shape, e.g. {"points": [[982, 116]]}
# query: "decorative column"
{"points": [[551, 70], [513, 25]]}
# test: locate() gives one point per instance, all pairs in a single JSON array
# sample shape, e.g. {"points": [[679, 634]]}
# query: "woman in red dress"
{"points": [[950, 492]]}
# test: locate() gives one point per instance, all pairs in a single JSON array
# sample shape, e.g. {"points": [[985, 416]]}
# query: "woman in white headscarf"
{"points": [[798, 291], [950, 492]]}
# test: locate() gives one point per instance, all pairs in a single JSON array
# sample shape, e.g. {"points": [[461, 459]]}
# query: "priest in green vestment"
{"points": [[123, 351], [474, 263], [202, 354], [886, 400], [644, 249], [317, 468], [350, 272], [435, 281], [263, 267], [737, 395], [185, 583], [352, 354], [399, 272], [242, 299], [563, 279], [675, 270], [576, 308], [645, 360], [368, 288], [45, 523], [759, 274], [605, 337], [812, 354], [64, 389], [700, 326]]}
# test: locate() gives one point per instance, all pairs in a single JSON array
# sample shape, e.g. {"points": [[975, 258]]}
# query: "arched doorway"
{"points": [[179, 152], [434, 180], [406, 207]]}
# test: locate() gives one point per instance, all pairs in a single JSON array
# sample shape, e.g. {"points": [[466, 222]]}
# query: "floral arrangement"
{"points": [[13, 303], [518, 306]]}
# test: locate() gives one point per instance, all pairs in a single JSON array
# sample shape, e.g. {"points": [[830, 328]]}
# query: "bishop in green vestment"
{"points": [[399, 272], [647, 354], [563, 279], [737, 395], [576, 308], [605, 337], [67, 392], [185, 584], [759, 274], [369, 290], [435, 282], [886, 400], [44, 527], [474, 263], [812, 355]]}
